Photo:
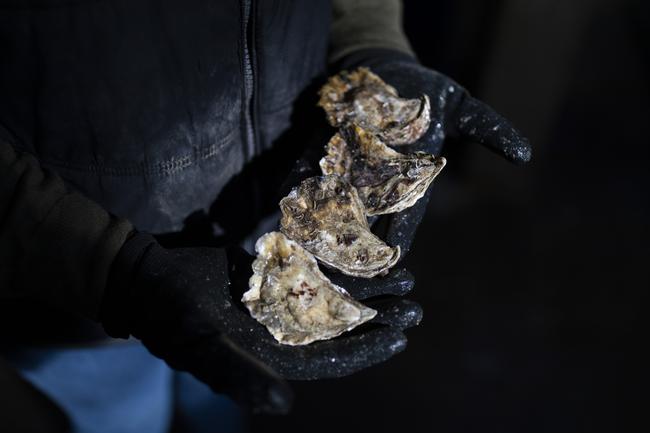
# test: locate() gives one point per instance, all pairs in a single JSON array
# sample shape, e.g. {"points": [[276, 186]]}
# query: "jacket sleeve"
{"points": [[362, 24], [56, 246]]}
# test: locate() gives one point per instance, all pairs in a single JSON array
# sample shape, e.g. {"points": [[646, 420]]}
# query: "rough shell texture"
{"points": [[387, 181], [293, 299], [325, 215], [363, 98]]}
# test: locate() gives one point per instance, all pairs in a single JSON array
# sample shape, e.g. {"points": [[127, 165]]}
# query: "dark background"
{"points": [[533, 280]]}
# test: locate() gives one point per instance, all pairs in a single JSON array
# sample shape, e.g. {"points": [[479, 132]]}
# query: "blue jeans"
{"points": [[122, 388]]}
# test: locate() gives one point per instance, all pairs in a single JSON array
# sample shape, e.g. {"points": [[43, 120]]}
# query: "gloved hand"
{"points": [[454, 113], [183, 304]]}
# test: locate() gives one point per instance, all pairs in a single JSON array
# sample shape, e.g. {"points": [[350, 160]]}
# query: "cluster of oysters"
{"points": [[325, 217]]}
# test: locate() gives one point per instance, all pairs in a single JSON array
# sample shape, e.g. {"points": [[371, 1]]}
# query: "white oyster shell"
{"points": [[293, 299]]}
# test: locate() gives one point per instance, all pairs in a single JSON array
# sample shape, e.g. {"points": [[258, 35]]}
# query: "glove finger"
{"points": [[229, 369], [478, 122], [397, 313], [402, 226], [339, 357], [398, 282]]}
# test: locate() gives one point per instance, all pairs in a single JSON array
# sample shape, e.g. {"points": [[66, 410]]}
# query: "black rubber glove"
{"points": [[454, 113], [183, 304]]}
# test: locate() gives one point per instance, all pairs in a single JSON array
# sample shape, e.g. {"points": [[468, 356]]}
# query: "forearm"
{"points": [[56, 246], [363, 24]]}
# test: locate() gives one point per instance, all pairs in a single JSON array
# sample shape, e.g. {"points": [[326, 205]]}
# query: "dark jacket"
{"points": [[150, 107], [123, 113]]}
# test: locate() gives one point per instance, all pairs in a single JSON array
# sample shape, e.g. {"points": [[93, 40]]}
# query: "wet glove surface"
{"points": [[184, 305], [454, 113]]}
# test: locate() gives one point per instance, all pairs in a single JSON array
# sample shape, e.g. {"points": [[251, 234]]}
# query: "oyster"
{"points": [[362, 97], [325, 215], [293, 299], [387, 181]]}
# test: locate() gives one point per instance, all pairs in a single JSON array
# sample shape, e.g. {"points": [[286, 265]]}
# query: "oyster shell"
{"points": [[293, 299], [325, 215], [387, 181], [362, 97]]}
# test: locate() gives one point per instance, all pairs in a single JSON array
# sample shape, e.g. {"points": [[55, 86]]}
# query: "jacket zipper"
{"points": [[248, 38]]}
